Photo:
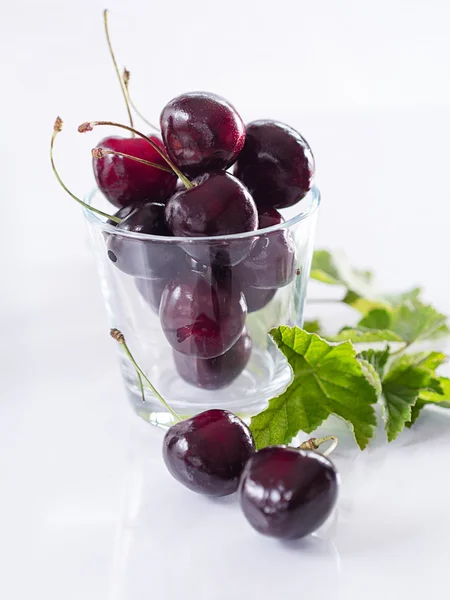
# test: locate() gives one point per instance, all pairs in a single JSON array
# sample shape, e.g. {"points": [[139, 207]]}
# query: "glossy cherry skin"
{"points": [[207, 453], [215, 373], [257, 298], [276, 164], [202, 132], [271, 262], [200, 318], [124, 181], [148, 259], [218, 205], [288, 493]]}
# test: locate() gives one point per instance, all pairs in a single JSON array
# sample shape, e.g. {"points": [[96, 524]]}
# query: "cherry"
{"points": [[276, 164], [202, 132], [121, 214], [201, 318], [288, 493], [257, 298], [218, 204], [124, 181], [271, 262], [148, 259], [215, 373], [208, 452]]}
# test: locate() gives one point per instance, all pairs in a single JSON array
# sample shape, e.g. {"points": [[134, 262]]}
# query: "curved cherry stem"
{"points": [[89, 126], [100, 153], [121, 83], [57, 128], [119, 337], [314, 443], [126, 81]]}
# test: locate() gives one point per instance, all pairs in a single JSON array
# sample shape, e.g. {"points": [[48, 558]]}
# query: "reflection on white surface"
{"points": [[170, 539]]}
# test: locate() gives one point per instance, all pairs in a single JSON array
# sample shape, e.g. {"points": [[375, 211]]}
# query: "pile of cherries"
{"points": [[283, 492], [204, 288]]}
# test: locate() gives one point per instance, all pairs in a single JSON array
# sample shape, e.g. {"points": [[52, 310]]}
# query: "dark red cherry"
{"points": [[218, 205], [200, 318], [148, 259], [202, 132], [124, 181], [288, 493], [122, 213], [271, 262], [276, 164], [257, 298], [215, 373], [207, 453]]}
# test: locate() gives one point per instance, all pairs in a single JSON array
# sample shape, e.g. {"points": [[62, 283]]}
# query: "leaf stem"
{"points": [[111, 52], [314, 443], [57, 127], [119, 337], [89, 126], [400, 350], [323, 301]]}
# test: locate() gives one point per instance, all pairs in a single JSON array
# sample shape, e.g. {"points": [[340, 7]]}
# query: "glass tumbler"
{"points": [[196, 312]]}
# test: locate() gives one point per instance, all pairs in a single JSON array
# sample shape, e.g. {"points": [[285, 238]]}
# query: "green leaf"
{"points": [[327, 379], [362, 305], [323, 268], [312, 326], [377, 358], [402, 385], [371, 375], [416, 321], [432, 397], [378, 318], [365, 335], [408, 296], [336, 270]]}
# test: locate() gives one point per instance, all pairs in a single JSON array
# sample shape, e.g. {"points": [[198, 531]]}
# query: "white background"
{"points": [[87, 510]]}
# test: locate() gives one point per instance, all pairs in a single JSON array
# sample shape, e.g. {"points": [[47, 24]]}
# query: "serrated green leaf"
{"points": [[365, 335], [312, 326], [408, 376], [416, 321], [336, 270], [378, 318], [327, 379], [431, 397], [361, 304], [401, 298], [377, 358], [371, 375]]}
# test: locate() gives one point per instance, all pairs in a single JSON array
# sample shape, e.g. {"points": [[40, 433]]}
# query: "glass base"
{"points": [[267, 375]]}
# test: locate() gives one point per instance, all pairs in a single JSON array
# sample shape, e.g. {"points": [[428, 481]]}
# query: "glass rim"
{"points": [[310, 208]]}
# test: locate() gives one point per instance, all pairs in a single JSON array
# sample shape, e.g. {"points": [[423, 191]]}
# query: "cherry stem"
{"points": [[314, 443], [119, 337], [111, 52], [89, 126], [100, 153], [126, 81], [57, 127]]}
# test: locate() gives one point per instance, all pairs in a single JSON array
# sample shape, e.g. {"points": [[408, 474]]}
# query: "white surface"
{"points": [[87, 510]]}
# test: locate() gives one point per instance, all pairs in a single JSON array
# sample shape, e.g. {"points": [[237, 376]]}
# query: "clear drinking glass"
{"points": [[207, 345]]}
